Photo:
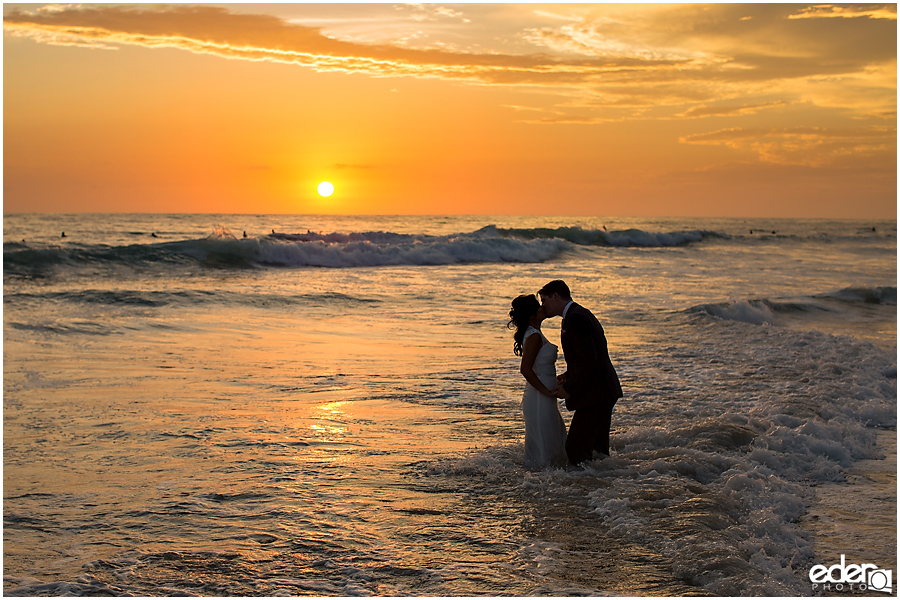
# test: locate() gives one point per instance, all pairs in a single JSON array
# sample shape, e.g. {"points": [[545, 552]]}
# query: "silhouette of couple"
{"points": [[589, 386]]}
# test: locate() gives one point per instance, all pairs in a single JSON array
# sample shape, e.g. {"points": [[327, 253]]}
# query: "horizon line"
{"points": [[572, 216]]}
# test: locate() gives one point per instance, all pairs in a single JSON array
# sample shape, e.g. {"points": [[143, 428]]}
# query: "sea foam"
{"points": [[715, 462]]}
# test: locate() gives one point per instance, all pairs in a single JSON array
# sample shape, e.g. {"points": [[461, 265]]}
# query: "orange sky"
{"points": [[758, 110]]}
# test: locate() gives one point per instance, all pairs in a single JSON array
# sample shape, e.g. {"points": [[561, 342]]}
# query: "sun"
{"points": [[325, 189]]}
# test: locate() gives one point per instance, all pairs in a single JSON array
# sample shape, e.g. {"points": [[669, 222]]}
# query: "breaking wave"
{"points": [[775, 312], [625, 238], [222, 249]]}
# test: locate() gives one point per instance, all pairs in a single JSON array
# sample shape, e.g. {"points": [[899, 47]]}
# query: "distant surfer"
{"points": [[245, 235], [153, 235], [63, 234]]}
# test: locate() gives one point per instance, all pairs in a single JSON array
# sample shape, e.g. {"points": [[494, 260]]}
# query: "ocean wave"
{"points": [[221, 249], [157, 298], [336, 250], [767, 311], [77, 328], [46, 262], [417, 251], [624, 238], [758, 312], [855, 295]]}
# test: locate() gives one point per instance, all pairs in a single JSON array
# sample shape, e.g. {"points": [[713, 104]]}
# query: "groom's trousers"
{"points": [[589, 431]]}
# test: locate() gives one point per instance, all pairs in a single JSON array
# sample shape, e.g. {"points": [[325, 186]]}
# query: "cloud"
{"points": [[608, 61], [213, 30], [427, 12], [806, 146], [830, 11], [726, 110]]}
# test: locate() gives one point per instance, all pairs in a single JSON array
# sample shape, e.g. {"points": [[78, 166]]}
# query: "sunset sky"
{"points": [[773, 110]]}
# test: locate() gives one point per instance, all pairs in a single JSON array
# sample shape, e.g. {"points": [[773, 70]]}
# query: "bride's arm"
{"points": [[530, 350]]}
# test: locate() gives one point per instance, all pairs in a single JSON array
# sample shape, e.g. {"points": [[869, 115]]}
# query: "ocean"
{"points": [[282, 405]]}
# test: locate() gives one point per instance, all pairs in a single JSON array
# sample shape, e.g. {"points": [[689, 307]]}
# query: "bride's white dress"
{"points": [[545, 430]]}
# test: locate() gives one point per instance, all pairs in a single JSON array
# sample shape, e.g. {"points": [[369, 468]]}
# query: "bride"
{"points": [[545, 431]]}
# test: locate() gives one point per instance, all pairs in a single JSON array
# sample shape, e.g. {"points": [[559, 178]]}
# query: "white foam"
{"points": [[745, 311], [437, 252], [637, 237]]}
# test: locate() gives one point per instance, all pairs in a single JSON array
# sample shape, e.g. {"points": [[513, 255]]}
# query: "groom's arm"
{"points": [[580, 356]]}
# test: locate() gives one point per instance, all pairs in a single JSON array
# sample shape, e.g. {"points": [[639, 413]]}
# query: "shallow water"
{"points": [[849, 517], [185, 415]]}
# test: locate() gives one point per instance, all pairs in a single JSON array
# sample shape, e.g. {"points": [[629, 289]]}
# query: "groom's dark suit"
{"points": [[591, 382]]}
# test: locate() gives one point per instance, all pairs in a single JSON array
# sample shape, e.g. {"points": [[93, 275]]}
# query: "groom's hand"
{"points": [[560, 392]]}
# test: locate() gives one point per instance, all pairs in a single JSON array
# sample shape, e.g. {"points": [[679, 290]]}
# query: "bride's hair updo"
{"points": [[523, 308]]}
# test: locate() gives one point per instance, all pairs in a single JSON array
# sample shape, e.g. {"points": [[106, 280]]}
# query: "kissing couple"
{"points": [[589, 385]]}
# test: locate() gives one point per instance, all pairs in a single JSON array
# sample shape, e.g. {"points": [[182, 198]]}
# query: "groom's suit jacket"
{"points": [[591, 379]]}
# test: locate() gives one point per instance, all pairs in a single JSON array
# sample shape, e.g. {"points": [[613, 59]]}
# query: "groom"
{"points": [[590, 385]]}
